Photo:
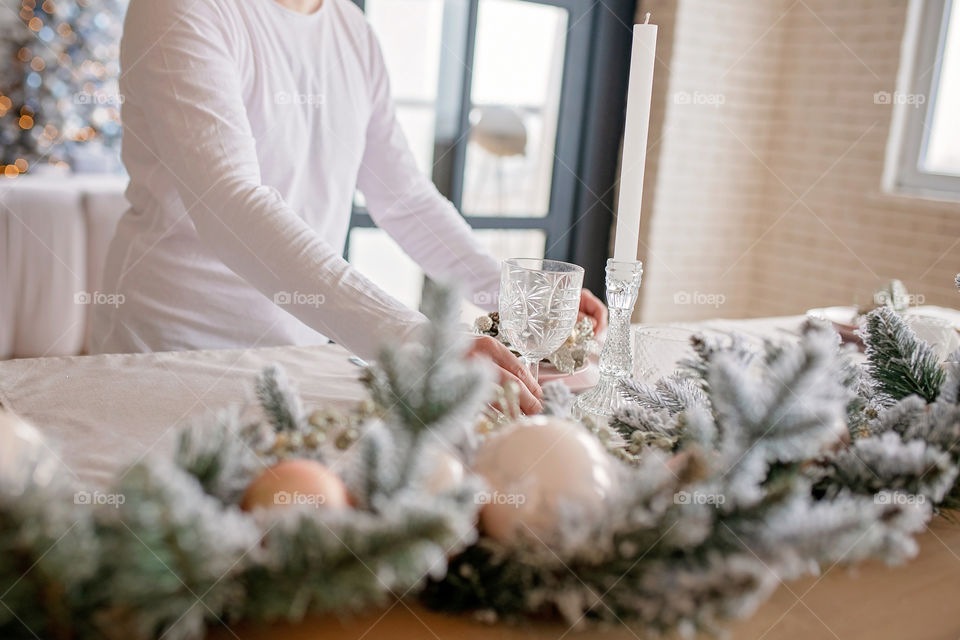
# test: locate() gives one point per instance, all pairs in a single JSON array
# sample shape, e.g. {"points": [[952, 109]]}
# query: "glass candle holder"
{"points": [[616, 357]]}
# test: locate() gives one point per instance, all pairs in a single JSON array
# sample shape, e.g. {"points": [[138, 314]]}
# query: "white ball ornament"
{"points": [[538, 470], [936, 332], [17, 437], [442, 470], [24, 456]]}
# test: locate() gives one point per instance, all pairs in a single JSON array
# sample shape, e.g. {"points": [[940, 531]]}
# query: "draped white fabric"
{"points": [[53, 235]]}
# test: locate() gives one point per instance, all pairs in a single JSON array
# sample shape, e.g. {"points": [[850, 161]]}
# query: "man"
{"points": [[248, 124]]}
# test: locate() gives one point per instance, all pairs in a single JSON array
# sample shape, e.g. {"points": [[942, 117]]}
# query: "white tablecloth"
{"points": [[102, 412]]}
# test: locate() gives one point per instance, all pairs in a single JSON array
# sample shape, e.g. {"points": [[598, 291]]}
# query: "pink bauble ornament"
{"points": [[536, 470], [294, 483]]}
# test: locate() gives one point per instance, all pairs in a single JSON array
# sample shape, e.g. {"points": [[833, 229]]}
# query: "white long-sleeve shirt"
{"points": [[247, 128]]}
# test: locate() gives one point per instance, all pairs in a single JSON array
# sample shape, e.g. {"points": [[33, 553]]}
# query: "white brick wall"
{"points": [[797, 120]]}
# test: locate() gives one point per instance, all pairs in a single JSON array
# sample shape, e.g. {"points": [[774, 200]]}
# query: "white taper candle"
{"points": [[634, 157]]}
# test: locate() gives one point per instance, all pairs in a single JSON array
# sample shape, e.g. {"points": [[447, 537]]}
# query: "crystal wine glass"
{"points": [[539, 302]]}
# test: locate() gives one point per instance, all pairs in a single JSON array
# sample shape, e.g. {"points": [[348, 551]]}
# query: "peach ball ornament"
{"points": [[537, 470], [296, 482]]}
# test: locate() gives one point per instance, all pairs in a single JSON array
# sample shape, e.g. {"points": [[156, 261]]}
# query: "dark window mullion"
{"points": [[511, 222], [605, 109], [466, 105], [565, 185], [448, 129]]}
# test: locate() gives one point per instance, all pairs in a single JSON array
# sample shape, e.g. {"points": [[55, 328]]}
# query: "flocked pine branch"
{"points": [[632, 419], [652, 413], [169, 545], [674, 393], [279, 400], [790, 407], [428, 389], [897, 417], [705, 349], [898, 361], [430, 385], [48, 547], [328, 561], [937, 424], [223, 453], [557, 399], [846, 529], [888, 463]]}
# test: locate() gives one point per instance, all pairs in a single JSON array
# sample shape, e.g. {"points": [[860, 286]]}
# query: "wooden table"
{"points": [[918, 601]]}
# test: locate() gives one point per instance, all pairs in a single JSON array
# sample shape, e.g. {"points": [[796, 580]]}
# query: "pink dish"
{"points": [[582, 379]]}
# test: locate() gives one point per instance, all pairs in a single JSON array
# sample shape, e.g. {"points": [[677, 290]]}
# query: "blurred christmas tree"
{"points": [[59, 102]]}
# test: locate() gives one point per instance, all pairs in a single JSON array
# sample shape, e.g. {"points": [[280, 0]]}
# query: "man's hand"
{"points": [[591, 307], [510, 369]]}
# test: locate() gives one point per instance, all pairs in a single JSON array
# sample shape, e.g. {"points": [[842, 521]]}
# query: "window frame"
{"points": [[920, 65], [590, 124]]}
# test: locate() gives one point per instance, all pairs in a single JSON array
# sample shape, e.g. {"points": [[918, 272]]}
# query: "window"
{"points": [[923, 157], [494, 97]]}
